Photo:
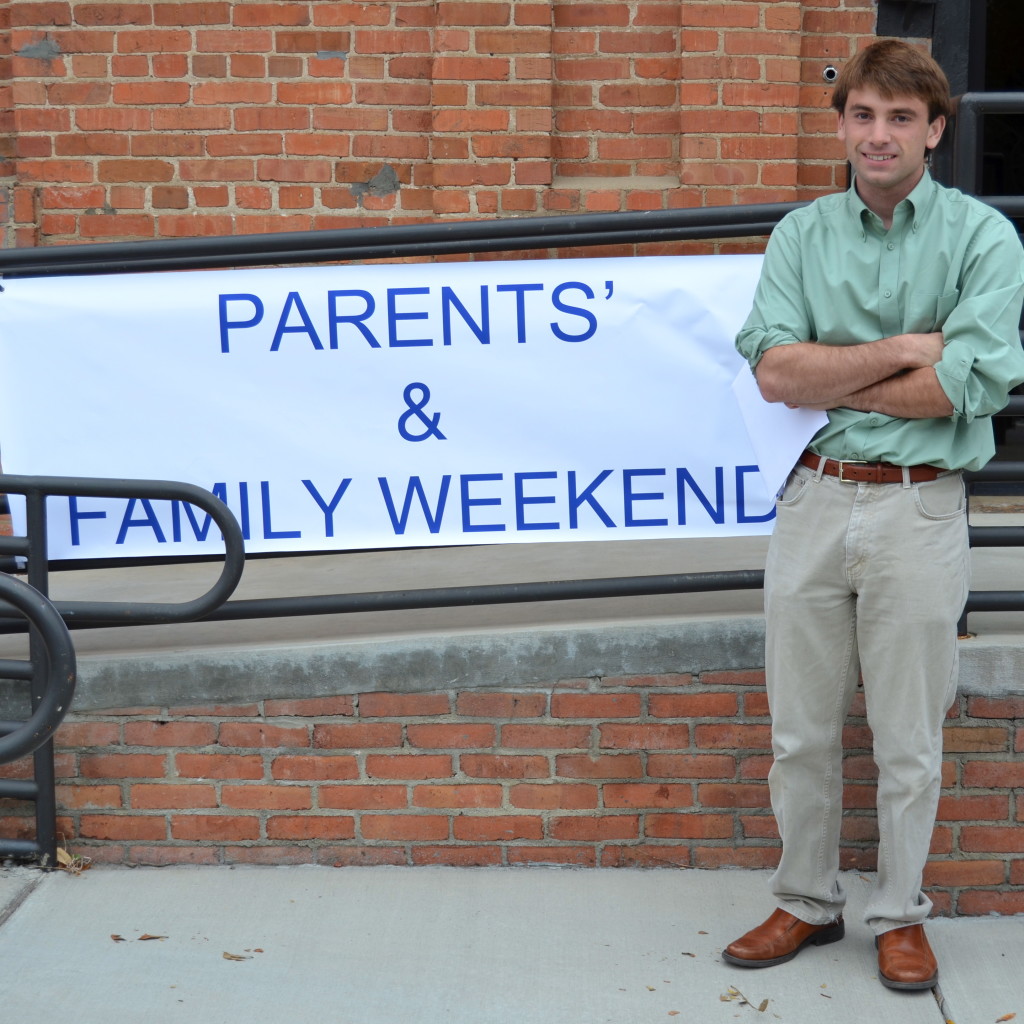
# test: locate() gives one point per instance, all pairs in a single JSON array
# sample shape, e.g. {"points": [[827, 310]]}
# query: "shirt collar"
{"points": [[919, 201]]}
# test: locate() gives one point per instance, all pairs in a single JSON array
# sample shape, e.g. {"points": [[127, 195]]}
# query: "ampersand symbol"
{"points": [[416, 397]]}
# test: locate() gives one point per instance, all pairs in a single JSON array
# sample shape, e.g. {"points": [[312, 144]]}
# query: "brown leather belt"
{"points": [[871, 472]]}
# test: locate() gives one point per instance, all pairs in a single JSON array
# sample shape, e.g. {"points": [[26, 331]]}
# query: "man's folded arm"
{"points": [[914, 395], [820, 375]]}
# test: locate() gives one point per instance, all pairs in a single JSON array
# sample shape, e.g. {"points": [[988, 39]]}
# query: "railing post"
{"points": [[43, 769]]}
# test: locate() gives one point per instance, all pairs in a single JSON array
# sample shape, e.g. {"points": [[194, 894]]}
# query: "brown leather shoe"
{"points": [[905, 960], [779, 939]]}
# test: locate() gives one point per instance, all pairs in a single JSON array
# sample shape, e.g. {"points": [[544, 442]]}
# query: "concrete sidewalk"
{"points": [[455, 945]]}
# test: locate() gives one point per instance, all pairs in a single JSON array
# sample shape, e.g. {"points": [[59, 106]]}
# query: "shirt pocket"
{"points": [[927, 311]]}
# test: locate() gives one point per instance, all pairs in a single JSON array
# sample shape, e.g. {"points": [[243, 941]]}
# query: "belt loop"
{"points": [[906, 476], [821, 467]]}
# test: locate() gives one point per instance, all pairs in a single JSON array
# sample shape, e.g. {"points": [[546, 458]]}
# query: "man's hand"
{"points": [[924, 349]]}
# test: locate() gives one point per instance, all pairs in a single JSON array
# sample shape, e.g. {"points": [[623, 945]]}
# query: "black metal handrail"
{"points": [[33, 546], [212, 607], [395, 241], [51, 669], [499, 593], [51, 664], [50, 672], [968, 152], [416, 240], [996, 536]]}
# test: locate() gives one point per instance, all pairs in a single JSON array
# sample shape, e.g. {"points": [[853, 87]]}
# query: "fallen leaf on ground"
{"points": [[72, 863], [235, 956], [734, 993], [118, 938], [149, 938], [1005, 1016], [687, 954]]}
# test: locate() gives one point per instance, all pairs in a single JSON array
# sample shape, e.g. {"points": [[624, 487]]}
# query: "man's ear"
{"points": [[841, 129], [935, 130]]}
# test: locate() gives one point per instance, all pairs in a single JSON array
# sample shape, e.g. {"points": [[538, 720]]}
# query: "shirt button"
{"points": [[887, 293], [891, 246]]}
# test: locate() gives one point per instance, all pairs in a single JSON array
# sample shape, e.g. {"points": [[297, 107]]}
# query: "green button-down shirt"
{"points": [[949, 263]]}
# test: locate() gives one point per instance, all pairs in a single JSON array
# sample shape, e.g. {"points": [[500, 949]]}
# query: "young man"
{"points": [[895, 307]]}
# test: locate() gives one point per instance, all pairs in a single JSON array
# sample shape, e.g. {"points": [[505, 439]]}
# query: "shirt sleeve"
{"points": [[983, 359], [779, 315]]}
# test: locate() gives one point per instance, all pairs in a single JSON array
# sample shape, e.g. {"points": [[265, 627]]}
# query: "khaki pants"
{"points": [[869, 580]]}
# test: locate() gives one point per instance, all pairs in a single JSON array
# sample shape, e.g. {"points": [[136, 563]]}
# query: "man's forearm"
{"points": [[914, 395], [818, 374]]}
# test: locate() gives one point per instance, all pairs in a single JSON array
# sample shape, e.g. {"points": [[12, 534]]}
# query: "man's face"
{"points": [[886, 141]]}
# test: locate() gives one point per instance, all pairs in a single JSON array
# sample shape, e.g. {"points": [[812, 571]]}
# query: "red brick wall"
{"points": [[162, 119], [641, 771]]}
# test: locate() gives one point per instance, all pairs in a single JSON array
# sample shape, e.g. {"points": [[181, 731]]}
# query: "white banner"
{"points": [[388, 406]]}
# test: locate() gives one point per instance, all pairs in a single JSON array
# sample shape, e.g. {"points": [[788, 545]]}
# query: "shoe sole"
{"points": [[822, 938], [909, 986]]}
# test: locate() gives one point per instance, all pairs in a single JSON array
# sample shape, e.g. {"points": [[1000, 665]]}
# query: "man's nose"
{"points": [[880, 132]]}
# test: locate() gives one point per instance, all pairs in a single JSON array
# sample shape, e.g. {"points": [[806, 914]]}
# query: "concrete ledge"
{"points": [[533, 657], [992, 666]]}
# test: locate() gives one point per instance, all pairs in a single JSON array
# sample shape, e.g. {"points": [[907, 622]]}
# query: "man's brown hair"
{"points": [[894, 68]]}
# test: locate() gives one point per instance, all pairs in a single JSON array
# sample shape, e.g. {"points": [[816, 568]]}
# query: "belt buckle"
{"points": [[849, 462]]}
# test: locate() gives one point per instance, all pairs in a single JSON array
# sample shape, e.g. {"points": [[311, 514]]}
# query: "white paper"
{"points": [[777, 433]]}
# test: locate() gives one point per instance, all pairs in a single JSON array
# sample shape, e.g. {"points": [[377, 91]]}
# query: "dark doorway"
{"points": [[977, 42], [1003, 151]]}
